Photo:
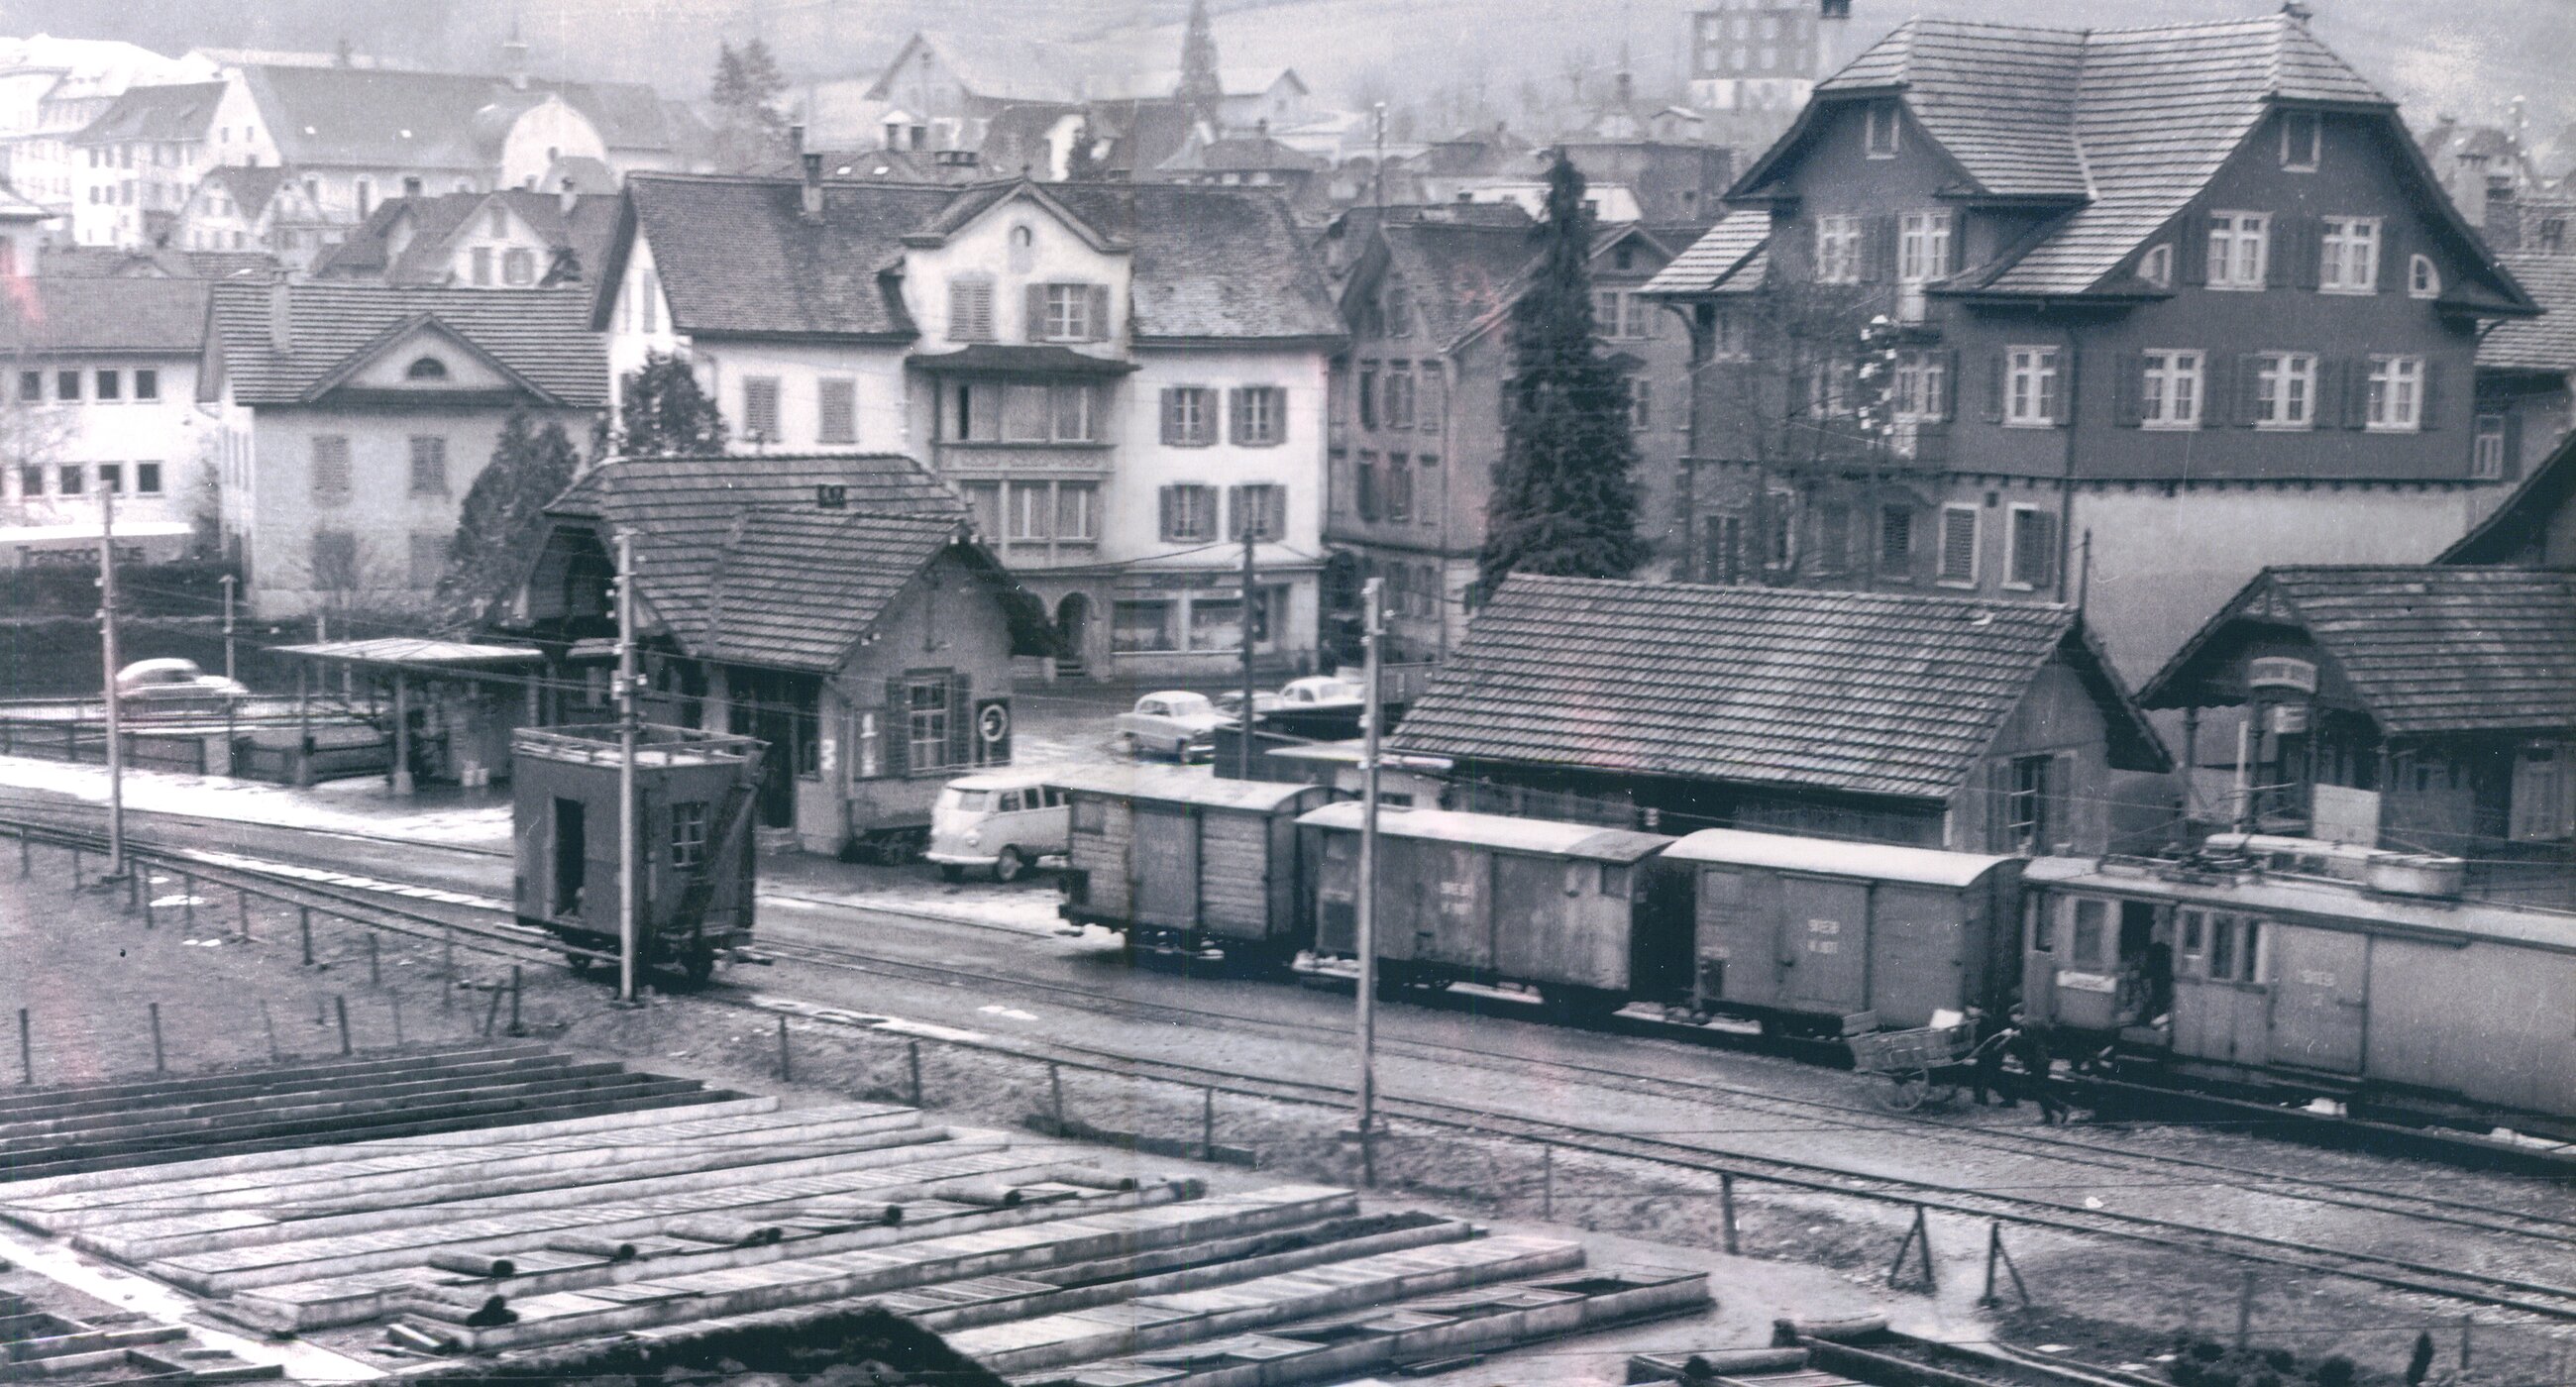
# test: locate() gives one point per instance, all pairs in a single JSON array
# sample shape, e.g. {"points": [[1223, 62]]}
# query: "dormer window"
{"points": [[2423, 280], [426, 368], [2156, 266], [1879, 129], [2303, 137]]}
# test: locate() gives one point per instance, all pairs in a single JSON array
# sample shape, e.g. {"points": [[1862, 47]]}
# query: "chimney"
{"points": [[514, 59], [2297, 10], [813, 191], [567, 196], [281, 317]]}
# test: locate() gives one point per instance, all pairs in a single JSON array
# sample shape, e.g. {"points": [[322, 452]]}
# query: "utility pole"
{"points": [[1243, 759], [107, 652], [228, 627], [626, 732], [1373, 594]]}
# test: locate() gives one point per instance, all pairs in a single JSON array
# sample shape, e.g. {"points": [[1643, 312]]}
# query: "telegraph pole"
{"points": [[1243, 758], [1374, 593], [229, 673], [107, 652], [626, 732]]}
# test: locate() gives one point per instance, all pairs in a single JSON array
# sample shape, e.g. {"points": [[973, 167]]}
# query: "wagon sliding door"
{"points": [[1825, 945], [1166, 867], [2320, 998]]}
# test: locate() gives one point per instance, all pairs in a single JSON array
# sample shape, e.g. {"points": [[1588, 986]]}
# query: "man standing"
{"points": [[2031, 1048]]}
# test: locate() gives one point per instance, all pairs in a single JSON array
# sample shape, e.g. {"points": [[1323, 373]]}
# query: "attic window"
{"points": [[2302, 140], [426, 368], [2156, 266], [2423, 281], [1879, 129]]}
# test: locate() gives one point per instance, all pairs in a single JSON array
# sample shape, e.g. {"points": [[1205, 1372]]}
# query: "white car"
{"points": [[1322, 691], [174, 684], [1004, 822], [1176, 723]]}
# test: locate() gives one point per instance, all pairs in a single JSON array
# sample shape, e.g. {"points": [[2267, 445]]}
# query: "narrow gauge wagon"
{"points": [[694, 793], [2223, 972], [1579, 911], [1181, 861], [1806, 934]]}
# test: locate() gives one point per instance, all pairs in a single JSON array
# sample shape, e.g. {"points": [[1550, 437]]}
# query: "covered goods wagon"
{"points": [[1180, 860]]}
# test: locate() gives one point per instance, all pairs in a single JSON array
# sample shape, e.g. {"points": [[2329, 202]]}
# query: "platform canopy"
{"points": [[416, 652]]}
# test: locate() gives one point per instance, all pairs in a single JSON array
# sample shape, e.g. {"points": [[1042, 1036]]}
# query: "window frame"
{"points": [[1921, 393], [2023, 525], [691, 822], [2486, 463], [2423, 277], [426, 464], [2394, 378], [1838, 248], [1267, 500], [1877, 118], [843, 391], [2156, 266], [2294, 159], [1262, 418], [970, 308], [1068, 305], [774, 406], [919, 715], [1189, 414], [2036, 407], [2161, 380], [2274, 373], [1186, 501], [329, 480], [2229, 233], [2346, 243], [1924, 241]]}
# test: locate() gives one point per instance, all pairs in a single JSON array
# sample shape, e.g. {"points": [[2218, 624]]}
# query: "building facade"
{"points": [[242, 208], [2134, 357], [134, 167], [52, 89], [355, 418], [101, 396]]}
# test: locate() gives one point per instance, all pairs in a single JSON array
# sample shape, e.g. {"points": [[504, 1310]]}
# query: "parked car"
{"points": [[1322, 691], [167, 684], [1230, 702], [1175, 722], [1005, 821]]}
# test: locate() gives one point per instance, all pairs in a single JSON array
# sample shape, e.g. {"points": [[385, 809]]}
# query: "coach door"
{"points": [[1166, 858], [2320, 998], [1824, 938]]}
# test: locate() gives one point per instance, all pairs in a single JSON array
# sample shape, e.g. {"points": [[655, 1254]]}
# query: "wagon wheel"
{"points": [[1906, 1089]]}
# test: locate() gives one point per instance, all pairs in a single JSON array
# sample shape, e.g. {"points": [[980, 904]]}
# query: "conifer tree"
{"points": [[503, 517], [662, 412], [1201, 89], [751, 129], [1565, 494], [1080, 164]]}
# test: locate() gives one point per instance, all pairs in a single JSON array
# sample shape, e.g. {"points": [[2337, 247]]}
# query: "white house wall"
{"points": [[549, 130], [170, 431]]}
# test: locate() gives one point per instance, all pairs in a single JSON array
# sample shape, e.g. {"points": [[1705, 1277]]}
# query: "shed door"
{"points": [[1920, 936], [1738, 938], [2320, 998], [1824, 939], [1453, 922], [1166, 858]]}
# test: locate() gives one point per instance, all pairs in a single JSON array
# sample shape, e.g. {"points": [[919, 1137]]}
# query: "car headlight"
{"points": [[974, 837]]}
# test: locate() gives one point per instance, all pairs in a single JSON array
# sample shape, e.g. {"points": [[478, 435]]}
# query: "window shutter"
{"points": [[2041, 563], [2285, 240], [1879, 246], [1100, 313], [1171, 416], [2356, 396], [961, 719], [2191, 248], [897, 741], [2395, 262], [1168, 503], [2067, 361], [2512, 445], [1998, 805], [2248, 390], [2129, 408], [2426, 417], [1037, 313], [1234, 415], [1947, 407], [1997, 367], [2307, 247]]}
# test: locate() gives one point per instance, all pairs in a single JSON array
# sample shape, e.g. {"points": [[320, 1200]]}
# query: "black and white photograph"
{"points": [[1288, 693]]}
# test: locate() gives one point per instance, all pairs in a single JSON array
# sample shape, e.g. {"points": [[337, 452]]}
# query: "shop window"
{"points": [[1144, 626]]}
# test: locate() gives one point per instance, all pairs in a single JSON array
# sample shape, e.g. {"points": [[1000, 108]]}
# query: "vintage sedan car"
{"points": [[1322, 691], [174, 685], [1176, 723]]}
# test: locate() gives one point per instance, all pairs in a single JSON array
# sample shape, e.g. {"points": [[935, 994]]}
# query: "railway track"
{"points": [[2538, 1298]]}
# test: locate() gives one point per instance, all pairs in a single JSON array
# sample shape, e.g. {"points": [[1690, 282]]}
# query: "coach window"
{"points": [[2091, 915], [2043, 925]]}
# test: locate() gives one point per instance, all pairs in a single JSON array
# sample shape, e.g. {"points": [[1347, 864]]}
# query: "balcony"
{"points": [[996, 461]]}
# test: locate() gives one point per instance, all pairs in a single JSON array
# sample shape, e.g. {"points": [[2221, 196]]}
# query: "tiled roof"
{"points": [[2545, 343], [2429, 649], [98, 315], [543, 335], [1715, 259], [337, 117], [1240, 153], [738, 560], [2517, 530], [437, 221], [738, 255], [251, 185], [2131, 122], [179, 112], [1457, 274], [1860, 693]]}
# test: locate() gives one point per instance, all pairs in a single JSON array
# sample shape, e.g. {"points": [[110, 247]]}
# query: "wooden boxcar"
{"points": [[1181, 860], [694, 794], [2225, 971], [1810, 934], [1580, 911]]}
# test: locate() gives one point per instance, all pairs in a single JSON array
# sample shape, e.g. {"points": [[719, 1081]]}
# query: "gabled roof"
{"points": [[1718, 259], [740, 563], [2428, 649], [2518, 531], [2543, 343], [46, 313], [437, 221], [1141, 134], [542, 336], [738, 255], [1851, 692], [992, 66], [251, 185], [179, 112], [1457, 274], [1242, 153], [336, 116]]}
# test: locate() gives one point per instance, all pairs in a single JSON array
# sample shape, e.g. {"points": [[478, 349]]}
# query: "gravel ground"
{"points": [[88, 973]]}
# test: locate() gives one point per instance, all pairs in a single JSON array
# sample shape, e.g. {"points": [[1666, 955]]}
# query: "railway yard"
{"points": [[1621, 1174]]}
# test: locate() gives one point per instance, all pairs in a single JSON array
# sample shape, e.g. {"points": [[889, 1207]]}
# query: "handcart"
{"points": [[1928, 1064]]}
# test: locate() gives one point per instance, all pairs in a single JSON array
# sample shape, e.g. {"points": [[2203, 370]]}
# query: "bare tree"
{"points": [[38, 436]]}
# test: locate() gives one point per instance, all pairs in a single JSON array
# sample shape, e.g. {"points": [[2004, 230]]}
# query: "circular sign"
{"points": [[994, 723]]}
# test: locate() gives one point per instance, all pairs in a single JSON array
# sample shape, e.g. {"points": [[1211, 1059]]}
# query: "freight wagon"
{"points": [[1581, 912], [1182, 862]]}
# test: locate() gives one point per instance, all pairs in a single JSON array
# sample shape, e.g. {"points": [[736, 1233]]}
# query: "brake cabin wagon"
{"points": [[693, 792], [1814, 934], [1180, 860], [1576, 910]]}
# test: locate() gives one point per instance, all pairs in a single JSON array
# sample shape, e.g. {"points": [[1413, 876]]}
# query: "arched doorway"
{"points": [[1073, 633]]}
